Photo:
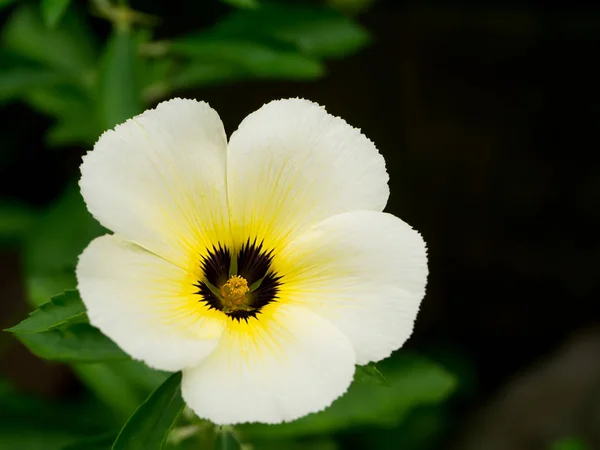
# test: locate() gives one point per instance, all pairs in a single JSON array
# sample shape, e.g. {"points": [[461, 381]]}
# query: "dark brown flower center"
{"points": [[239, 284]]}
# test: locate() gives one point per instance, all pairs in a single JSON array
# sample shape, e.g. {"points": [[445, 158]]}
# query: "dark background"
{"points": [[487, 117]]}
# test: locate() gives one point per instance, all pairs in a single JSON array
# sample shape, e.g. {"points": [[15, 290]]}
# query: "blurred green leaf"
{"points": [[18, 75], [316, 31], [157, 78], [28, 423], [423, 429], [61, 309], [415, 381], [80, 342], [70, 106], [140, 375], [42, 286], [119, 96], [370, 374], [15, 221], [350, 6], [200, 434], [23, 437], [69, 48], [248, 58], [569, 444], [58, 99], [100, 442], [225, 440], [15, 81], [318, 443], [149, 426], [73, 129], [121, 385], [106, 382], [242, 3], [5, 3], [53, 10], [199, 73], [53, 244]]}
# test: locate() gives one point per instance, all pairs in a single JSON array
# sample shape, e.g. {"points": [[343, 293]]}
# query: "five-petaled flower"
{"points": [[264, 268]]}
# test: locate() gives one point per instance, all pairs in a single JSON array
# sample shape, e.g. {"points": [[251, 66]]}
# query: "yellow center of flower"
{"points": [[234, 293]]}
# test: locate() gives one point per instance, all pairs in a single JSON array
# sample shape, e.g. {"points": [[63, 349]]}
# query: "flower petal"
{"points": [[146, 304], [159, 179], [291, 164], [363, 271], [283, 365]]}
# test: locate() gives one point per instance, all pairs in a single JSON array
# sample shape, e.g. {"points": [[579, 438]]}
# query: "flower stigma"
{"points": [[234, 293]]}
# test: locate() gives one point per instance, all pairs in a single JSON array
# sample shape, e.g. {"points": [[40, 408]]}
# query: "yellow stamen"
{"points": [[234, 293]]}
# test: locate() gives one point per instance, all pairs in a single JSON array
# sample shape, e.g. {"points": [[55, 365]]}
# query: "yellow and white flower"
{"points": [[262, 268]]}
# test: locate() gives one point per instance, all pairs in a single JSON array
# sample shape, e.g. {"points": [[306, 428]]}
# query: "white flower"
{"points": [[262, 268]]}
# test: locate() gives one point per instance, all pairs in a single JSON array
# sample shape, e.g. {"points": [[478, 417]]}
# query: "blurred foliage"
{"points": [[413, 380], [53, 10], [410, 382], [54, 60], [243, 3], [62, 71], [27, 423], [569, 444]]}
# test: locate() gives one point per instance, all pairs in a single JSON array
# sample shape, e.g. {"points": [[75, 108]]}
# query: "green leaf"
{"points": [[30, 423], [53, 10], [5, 3], [242, 3], [414, 382], [100, 442], [370, 374], [140, 375], [201, 73], [18, 75], [16, 81], [70, 106], [350, 6], [423, 429], [316, 31], [318, 443], [58, 99], [249, 59], [15, 221], [569, 444], [79, 342], [54, 243], [69, 48], [121, 385], [41, 287], [61, 309], [119, 96], [24, 437], [225, 440], [106, 382], [76, 128], [149, 426]]}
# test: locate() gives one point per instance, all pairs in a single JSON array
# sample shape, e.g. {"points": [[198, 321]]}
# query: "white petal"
{"points": [[159, 179], [291, 164], [287, 363], [363, 271], [146, 304]]}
